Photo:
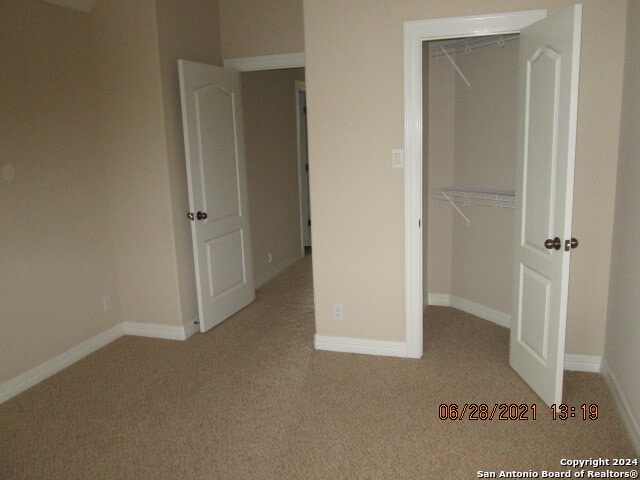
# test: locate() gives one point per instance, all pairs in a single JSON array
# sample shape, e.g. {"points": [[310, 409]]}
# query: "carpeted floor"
{"points": [[251, 399]]}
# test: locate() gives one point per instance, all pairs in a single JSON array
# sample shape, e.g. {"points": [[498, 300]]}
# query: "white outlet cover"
{"points": [[397, 158], [106, 303]]}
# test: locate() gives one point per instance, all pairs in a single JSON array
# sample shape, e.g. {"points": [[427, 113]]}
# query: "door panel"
{"points": [[216, 174], [541, 121], [217, 140], [549, 64], [227, 252], [533, 333]]}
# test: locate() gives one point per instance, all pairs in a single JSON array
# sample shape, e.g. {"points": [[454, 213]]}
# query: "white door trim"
{"points": [[266, 62], [300, 87], [415, 33]]}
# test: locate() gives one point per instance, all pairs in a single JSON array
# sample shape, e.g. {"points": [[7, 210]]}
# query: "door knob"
{"points": [[201, 215], [569, 244], [190, 216], [552, 243]]}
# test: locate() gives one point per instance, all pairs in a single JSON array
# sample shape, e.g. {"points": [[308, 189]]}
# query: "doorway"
{"points": [[470, 93], [416, 33], [547, 125], [271, 143]]}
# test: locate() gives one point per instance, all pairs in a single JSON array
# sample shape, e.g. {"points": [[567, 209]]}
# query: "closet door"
{"points": [[549, 64]]}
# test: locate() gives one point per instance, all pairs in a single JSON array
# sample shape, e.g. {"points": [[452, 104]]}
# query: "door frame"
{"points": [[277, 62], [301, 87], [415, 33]]}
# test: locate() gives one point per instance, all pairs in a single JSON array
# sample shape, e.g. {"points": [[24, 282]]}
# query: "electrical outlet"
{"points": [[106, 303], [269, 257], [397, 158], [338, 312]]}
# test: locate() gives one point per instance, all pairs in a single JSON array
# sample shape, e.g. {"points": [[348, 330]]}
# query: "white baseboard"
{"points": [[190, 328], [577, 363], [583, 363], [43, 371], [631, 423], [276, 270], [358, 345], [486, 313], [167, 332], [438, 299], [34, 376]]}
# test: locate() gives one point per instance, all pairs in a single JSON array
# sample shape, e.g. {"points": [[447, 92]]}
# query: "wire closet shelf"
{"points": [[470, 43]]}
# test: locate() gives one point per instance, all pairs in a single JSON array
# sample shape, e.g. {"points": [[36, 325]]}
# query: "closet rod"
{"points": [[469, 43]]}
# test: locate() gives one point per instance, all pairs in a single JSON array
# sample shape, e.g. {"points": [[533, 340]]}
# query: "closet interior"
{"points": [[470, 96]]}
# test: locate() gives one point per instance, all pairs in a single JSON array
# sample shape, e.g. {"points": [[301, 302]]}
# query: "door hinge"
{"points": [[306, 167], [304, 110], [309, 222]]}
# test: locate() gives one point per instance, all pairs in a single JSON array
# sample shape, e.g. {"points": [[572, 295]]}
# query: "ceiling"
{"points": [[82, 5]]}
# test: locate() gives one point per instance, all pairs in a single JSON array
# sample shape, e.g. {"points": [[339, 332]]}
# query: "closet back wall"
{"points": [[484, 157], [439, 150]]}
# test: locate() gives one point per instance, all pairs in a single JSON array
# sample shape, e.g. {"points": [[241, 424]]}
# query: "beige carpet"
{"points": [[251, 399]]}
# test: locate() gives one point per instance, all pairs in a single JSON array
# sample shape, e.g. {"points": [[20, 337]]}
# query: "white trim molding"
{"points": [[583, 363], [359, 345], [415, 33], [626, 414], [302, 187], [191, 328], [266, 62], [438, 300], [486, 313], [167, 332], [276, 270], [576, 363], [43, 371]]}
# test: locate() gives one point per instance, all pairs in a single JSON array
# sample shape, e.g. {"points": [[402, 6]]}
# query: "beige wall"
{"points": [[485, 158], [95, 135], [133, 144], [137, 48], [437, 165], [56, 260], [189, 30], [269, 111], [354, 66], [622, 354], [261, 27]]}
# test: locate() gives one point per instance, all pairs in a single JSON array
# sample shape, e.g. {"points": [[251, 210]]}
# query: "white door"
{"points": [[216, 173], [549, 63]]}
